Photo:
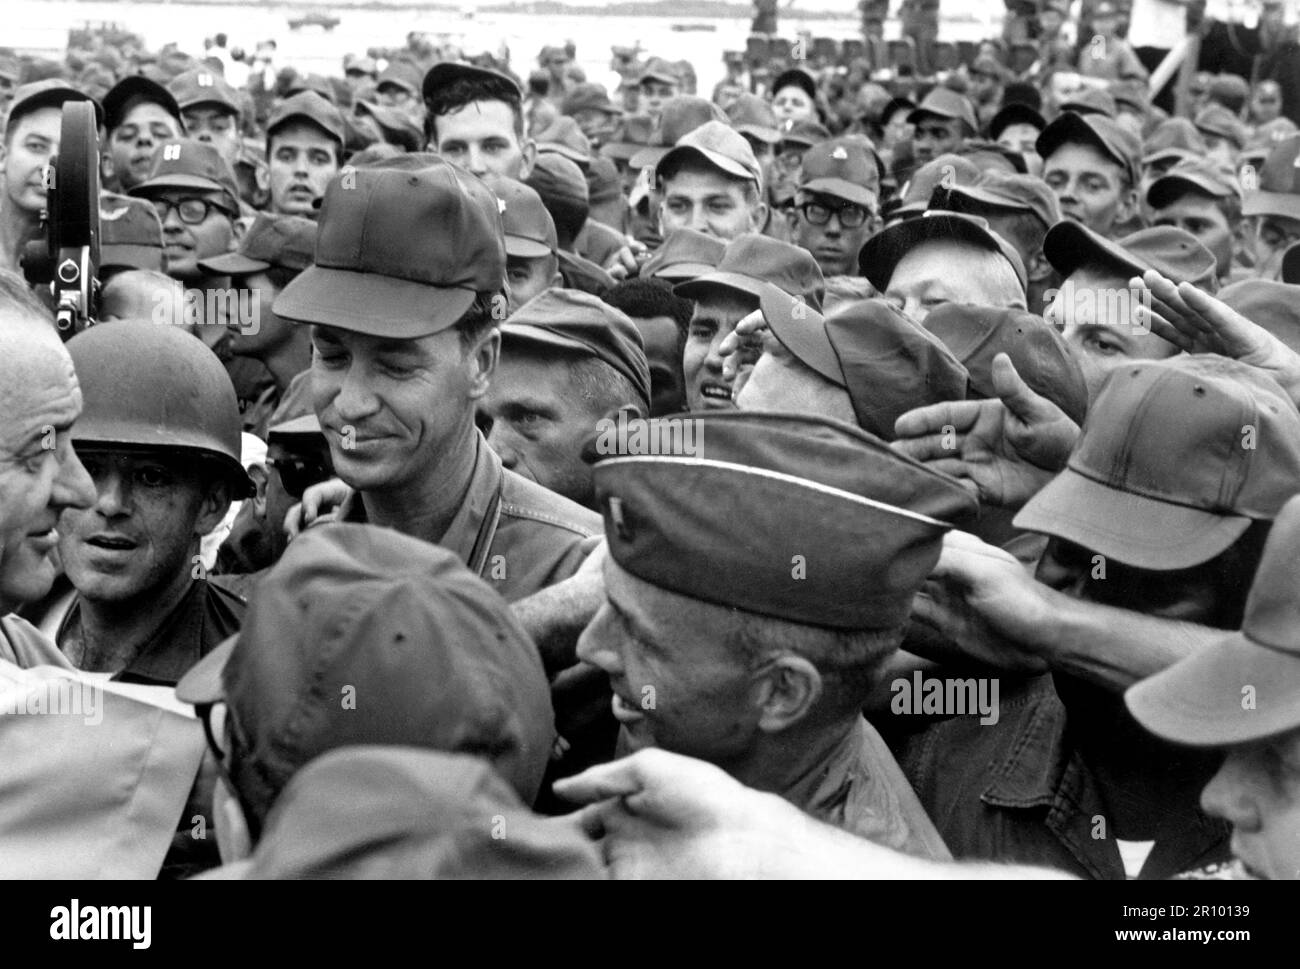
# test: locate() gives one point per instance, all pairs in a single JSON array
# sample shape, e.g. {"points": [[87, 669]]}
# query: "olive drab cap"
{"points": [[1176, 459], [186, 163], [150, 386], [755, 265], [729, 519], [202, 86], [284, 241], [1277, 188], [1174, 253], [1199, 700], [402, 249], [844, 169], [529, 228], [685, 254]]}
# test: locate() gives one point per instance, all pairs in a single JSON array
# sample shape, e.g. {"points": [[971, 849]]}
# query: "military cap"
{"points": [[752, 116], [658, 69], [944, 103], [529, 228], [561, 185], [130, 234], [843, 168], [284, 241], [1173, 138], [1273, 305], [803, 133], [564, 137], [886, 363], [680, 116], [137, 89], [50, 93], [1194, 174], [1015, 113], [438, 652], [186, 163], [721, 520], [795, 77], [1174, 253], [882, 253], [756, 264], [588, 97], [360, 64], [449, 72], [394, 126], [1132, 95], [1091, 101], [579, 323], [310, 107], [1126, 496], [895, 105], [1000, 191], [977, 334], [721, 146], [635, 134], [315, 83], [400, 74], [1279, 183], [402, 250], [919, 189], [1198, 701], [1218, 121], [203, 86], [1103, 133], [685, 254]]}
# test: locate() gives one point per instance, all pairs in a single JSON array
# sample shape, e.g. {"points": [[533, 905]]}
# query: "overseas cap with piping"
{"points": [[721, 524], [576, 322], [401, 250], [1162, 477]]}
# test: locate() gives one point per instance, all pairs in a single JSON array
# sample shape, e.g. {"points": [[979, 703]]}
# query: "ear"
{"points": [[237, 228], [106, 168], [260, 476], [216, 502], [557, 280], [1128, 205], [483, 362], [530, 158], [234, 841], [788, 687], [262, 178], [758, 217]]}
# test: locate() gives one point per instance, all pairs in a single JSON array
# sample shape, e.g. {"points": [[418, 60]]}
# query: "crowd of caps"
{"points": [[989, 378]]}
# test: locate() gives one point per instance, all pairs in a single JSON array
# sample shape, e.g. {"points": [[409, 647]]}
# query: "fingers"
{"points": [[959, 415], [1018, 397], [617, 779]]}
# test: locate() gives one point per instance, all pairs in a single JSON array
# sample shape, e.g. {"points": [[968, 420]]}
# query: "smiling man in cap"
{"points": [[568, 361], [304, 148], [1091, 163], [403, 300], [725, 647]]}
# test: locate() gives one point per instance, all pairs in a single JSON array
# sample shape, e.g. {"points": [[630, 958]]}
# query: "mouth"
{"points": [[300, 191], [716, 394], [111, 543], [42, 541]]}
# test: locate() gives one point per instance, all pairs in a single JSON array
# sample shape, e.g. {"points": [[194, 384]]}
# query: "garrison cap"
{"points": [[723, 519]]}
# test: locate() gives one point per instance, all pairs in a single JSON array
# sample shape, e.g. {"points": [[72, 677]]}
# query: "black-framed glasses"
{"points": [[299, 474], [193, 211], [851, 216]]}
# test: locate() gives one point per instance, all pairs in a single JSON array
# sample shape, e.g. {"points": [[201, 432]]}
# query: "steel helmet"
{"points": [[149, 385]]}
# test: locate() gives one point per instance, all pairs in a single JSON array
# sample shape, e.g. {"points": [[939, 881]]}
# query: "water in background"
{"points": [[41, 26]]}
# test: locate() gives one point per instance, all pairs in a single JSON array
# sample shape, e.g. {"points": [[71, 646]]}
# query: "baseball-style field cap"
{"points": [[895, 105], [529, 228], [1173, 253], [448, 72], [1132, 95], [802, 132], [360, 64], [751, 115], [313, 82], [310, 107], [130, 235], [202, 86], [680, 116], [795, 77], [1091, 101], [636, 133], [564, 137], [1199, 700], [658, 69], [1000, 192], [1105, 134], [685, 254], [843, 169], [882, 253], [1176, 459], [946, 103], [402, 249], [285, 241], [1193, 174], [1279, 183], [719, 144], [577, 322], [717, 524], [395, 127], [190, 164], [977, 334], [588, 96], [400, 74], [755, 264], [1274, 306], [1173, 138], [919, 189], [443, 661], [1217, 121], [123, 96], [1015, 113], [886, 363], [50, 93]]}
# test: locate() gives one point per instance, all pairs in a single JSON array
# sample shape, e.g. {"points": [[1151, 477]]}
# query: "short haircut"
{"points": [[467, 90], [604, 388], [644, 298], [478, 319], [849, 661]]}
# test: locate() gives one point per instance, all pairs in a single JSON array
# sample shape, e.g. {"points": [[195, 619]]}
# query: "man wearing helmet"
{"points": [[166, 467]]}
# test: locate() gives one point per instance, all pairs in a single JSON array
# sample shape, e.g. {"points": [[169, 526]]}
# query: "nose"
{"points": [[73, 487], [501, 440], [355, 401], [596, 644], [1229, 795], [476, 163], [112, 493]]}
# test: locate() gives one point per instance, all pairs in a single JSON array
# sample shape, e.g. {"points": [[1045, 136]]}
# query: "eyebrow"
{"points": [[639, 632]]}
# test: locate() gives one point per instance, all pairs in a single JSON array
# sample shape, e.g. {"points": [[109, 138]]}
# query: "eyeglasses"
{"points": [[298, 474], [790, 160], [850, 216], [193, 211]]}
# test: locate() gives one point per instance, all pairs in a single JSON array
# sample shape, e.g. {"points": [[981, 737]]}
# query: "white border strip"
{"points": [[779, 476]]}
